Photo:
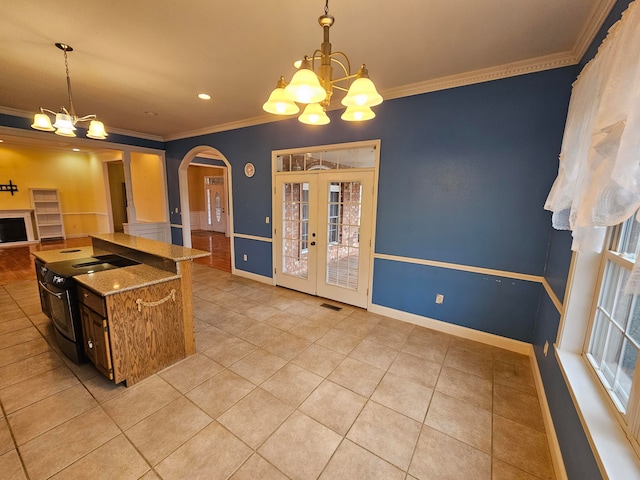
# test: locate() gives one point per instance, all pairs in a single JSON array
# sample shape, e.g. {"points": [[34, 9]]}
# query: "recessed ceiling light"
{"points": [[153, 114], [1, 140], [75, 149], [204, 96]]}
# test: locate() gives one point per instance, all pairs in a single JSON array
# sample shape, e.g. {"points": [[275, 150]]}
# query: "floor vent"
{"points": [[331, 307]]}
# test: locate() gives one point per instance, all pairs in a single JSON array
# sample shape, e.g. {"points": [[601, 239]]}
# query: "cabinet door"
{"points": [[96, 340]]}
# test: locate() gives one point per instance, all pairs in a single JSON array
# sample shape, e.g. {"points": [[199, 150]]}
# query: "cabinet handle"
{"points": [[90, 344]]}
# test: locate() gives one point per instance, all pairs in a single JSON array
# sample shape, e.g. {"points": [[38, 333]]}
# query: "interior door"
{"points": [[323, 233]]}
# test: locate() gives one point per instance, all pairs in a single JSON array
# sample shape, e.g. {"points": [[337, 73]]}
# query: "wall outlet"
{"points": [[439, 298], [545, 350], [266, 220], [244, 257]]}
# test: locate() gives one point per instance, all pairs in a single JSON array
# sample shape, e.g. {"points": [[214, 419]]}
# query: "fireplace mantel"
{"points": [[26, 216]]}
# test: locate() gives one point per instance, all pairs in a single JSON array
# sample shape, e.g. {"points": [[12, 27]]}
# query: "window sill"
{"points": [[610, 446]]}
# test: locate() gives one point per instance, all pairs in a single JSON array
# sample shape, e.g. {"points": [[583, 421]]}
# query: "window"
{"points": [[613, 342]]}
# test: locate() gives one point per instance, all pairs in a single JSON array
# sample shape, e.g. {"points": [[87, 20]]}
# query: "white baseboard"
{"points": [[552, 438], [517, 346], [253, 276]]}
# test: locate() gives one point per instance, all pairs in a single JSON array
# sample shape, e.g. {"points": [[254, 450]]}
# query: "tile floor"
{"points": [[280, 388]]}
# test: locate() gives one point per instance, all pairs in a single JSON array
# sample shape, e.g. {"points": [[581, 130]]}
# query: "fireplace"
{"points": [[16, 228]]}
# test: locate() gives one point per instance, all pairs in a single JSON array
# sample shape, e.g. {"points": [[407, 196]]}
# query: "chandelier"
{"points": [[66, 120], [315, 88]]}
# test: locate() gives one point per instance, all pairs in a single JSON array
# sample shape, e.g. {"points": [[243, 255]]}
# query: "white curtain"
{"points": [[598, 183]]}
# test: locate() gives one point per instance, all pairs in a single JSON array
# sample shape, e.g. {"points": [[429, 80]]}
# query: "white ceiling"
{"points": [[134, 56]]}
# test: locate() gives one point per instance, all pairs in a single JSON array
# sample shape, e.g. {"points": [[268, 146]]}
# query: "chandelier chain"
{"points": [[66, 66], [326, 7]]}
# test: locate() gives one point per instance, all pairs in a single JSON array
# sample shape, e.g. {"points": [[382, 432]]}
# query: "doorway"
{"points": [[208, 210], [323, 223], [118, 194]]}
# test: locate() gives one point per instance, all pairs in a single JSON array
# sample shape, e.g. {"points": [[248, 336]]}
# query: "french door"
{"points": [[323, 233]]}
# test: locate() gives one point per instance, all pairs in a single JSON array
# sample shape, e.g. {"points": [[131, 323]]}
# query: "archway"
{"points": [[183, 182]]}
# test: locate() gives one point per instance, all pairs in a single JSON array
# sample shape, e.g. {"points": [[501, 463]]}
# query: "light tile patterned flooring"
{"points": [[279, 388]]}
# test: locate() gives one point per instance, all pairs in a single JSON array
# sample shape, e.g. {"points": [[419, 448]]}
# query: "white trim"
{"points": [[469, 333], [254, 276], [611, 448], [552, 295], [101, 214], [591, 28], [253, 237], [464, 268], [552, 437]]}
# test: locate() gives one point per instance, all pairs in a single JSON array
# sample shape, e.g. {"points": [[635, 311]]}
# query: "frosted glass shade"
{"points": [[280, 104], [362, 93], [357, 114], [65, 132], [63, 121], [314, 114], [41, 121], [96, 130], [305, 87]]}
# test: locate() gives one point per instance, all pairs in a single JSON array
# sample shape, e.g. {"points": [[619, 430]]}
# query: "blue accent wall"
{"points": [[576, 451], [464, 174], [259, 259], [577, 454], [502, 306]]}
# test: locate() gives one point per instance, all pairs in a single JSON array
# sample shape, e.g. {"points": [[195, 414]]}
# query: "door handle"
{"points": [[313, 243]]}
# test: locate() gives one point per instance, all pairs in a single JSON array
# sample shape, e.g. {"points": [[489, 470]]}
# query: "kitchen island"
{"points": [[137, 319]]}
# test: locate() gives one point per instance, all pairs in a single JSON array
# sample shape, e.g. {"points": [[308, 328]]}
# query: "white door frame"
{"points": [[374, 207], [183, 182]]}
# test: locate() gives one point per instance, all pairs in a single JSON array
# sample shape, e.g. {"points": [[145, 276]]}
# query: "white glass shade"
{"points": [[305, 87], [357, 114], [280, 104], [314, 114], [96, 130], [41, 121], [63, 121], [362, 93], [65, 132]]}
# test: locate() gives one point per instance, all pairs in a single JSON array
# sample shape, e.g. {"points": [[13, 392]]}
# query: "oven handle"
{"points": [[59, 295]]}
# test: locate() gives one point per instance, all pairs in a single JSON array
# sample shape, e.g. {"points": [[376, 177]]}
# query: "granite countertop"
{"points": [[72, 253], [174, 253], [126, 278]]}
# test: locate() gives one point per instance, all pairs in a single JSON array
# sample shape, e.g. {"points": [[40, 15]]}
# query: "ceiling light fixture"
{"points": [[316, 89], [66, 119], [204, 96]]}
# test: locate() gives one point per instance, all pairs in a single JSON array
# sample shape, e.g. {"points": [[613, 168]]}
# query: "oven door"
{"points": [[60, 307]]}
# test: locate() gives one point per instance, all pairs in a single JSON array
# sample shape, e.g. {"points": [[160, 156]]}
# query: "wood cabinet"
{"points": [[95, 332], [47, 212], [132, 334]]}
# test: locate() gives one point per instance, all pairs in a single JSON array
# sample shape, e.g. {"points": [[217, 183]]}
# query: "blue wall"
{"points": [[463, 176], [577, 454]]}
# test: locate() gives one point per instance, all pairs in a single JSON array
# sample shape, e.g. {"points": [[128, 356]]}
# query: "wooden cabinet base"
{"points": [[143, 331]]}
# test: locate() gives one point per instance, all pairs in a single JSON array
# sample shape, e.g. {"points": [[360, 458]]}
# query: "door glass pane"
{"points": [[218, 207], [343, 238], [295, 229]]}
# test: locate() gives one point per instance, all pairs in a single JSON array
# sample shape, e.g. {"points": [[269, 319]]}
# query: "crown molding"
{"points": [[223, 127], [596, 20], [145, 136], [538, 64]]}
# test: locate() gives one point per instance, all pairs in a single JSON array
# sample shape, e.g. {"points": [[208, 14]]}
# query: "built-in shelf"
{"points": [[46, 207]]}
